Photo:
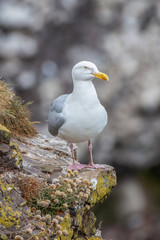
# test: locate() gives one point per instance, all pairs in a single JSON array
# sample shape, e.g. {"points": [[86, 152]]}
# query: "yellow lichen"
{"points": [[5, 187], [19, 161], [103, 187], [16, 155], [5, 133], [66, 225], [15, 145], [23, 204], [78, 219], [8, 216], [3, 237]]}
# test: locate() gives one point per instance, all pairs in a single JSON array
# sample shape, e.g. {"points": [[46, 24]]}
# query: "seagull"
{"points": [[79, 116]]}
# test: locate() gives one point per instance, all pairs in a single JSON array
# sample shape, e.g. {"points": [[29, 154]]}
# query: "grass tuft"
{"points": [[14, 113]]}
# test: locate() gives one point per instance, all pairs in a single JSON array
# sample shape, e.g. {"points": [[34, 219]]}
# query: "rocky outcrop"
{"points": [[45, 200]]}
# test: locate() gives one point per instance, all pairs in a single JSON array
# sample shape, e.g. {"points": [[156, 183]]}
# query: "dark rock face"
{"points": [[9, 152]]}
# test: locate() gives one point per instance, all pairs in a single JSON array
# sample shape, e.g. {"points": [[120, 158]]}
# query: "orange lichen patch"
{"points": [[14, 113], [29, 187]]}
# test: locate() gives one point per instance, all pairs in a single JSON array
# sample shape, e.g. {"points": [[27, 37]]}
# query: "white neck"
{"points": [[84, 90]]}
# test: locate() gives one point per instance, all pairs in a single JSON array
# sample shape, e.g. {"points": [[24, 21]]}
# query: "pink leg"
{"points": [[91, 163], [75, 165]]}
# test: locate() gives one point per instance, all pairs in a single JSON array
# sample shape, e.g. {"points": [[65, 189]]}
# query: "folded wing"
{"points": [[56, 118]]}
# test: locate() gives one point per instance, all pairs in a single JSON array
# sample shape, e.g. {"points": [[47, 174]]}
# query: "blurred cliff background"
{"points": [[41, 40]]}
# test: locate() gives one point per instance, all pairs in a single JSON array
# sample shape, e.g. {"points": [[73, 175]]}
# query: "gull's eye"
{"points": [[86, 67]]}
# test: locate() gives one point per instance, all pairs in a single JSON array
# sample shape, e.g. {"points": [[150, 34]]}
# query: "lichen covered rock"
{"points": [[9, 214], [88, 224], [5, 134], [66, 225], [103, 181], [59, 201], [10, 156], [16, 158]]}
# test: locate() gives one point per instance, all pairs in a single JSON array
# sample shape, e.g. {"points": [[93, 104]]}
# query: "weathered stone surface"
{"points": [[49, 168], [4, 149], [43, 155]]}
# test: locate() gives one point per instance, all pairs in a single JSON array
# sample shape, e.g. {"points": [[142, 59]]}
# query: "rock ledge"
{"points": [[45, 161]]}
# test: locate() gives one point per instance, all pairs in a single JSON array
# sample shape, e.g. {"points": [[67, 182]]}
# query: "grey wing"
{"points": [[56, 118]]}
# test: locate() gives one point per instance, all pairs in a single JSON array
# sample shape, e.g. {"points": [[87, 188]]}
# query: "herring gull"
{"points": [[79, 116]]}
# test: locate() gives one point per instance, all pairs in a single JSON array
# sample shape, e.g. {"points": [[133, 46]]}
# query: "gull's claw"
{"points": [[76, 166]]}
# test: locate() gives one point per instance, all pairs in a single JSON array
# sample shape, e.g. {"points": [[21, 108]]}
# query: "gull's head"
{"points": [[87, 71]]}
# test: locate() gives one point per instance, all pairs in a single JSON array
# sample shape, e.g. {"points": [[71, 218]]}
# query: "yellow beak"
{"points": [[101, 75]]}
